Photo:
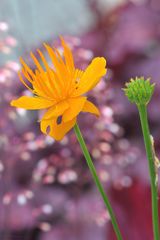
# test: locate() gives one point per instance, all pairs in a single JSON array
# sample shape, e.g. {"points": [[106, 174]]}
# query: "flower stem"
{"points": [[97, 181], [151, 163]]}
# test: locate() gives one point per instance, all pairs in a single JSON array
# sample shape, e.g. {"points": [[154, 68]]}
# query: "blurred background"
{"points": [[46, 190]]}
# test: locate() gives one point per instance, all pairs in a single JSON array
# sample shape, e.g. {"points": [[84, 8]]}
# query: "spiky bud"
{"points": [[139, 90]]}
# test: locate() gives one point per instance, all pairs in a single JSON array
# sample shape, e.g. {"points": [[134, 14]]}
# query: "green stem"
{"points": [[97, 181], [151, 163]]}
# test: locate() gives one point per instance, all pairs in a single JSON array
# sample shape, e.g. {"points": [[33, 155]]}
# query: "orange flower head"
{"points": [[59, 89]]}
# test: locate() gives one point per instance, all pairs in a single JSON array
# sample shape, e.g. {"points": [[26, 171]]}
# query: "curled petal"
{"points": [[91, 108], [56, 110], [91, 76], [55, 130], [75, 107]]}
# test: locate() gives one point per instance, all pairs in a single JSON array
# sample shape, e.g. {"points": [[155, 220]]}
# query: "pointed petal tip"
{"points": [[31, 54], [19, 74], [21, 59], [12, 103], [45, 44], [63, 42], [97, 114], [91, 108], [61, 38]]}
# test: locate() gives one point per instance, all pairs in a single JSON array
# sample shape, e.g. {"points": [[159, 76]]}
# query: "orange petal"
{"points": [[75, 107], [91, 108], [56, 110], [24, 83], [58, 63], [75, 80], [38, 65], [42, 85], [31, 103], [91, 76], [68, 56], [57, 131], [27, 68], [27, 76]]}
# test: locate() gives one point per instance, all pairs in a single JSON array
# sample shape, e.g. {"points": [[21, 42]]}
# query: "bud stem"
{"points": [[151, 163], [97, 181]]}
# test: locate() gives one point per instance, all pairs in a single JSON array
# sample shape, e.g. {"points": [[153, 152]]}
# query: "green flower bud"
{"points": [[139, 90]]}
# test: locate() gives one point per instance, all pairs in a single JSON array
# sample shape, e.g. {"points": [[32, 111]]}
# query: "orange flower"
{"points": [[59, 89]]}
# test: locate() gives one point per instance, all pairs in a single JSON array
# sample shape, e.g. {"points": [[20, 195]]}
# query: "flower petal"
{"points": [[91, 108], [27, 68], [60, 68], [75, 107], [32, 103], [56, 110], [37, 64], [68, 56], [57, 131], [91, 76]]}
